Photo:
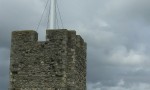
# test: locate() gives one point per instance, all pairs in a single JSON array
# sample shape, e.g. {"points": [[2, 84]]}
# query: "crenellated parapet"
{"points": [[24, 36]]}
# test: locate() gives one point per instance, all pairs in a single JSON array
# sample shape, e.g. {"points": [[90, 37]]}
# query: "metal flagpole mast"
{"points": [[53, 15]]}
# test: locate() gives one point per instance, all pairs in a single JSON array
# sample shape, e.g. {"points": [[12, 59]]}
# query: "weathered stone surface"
{"points": [[59, 63]]}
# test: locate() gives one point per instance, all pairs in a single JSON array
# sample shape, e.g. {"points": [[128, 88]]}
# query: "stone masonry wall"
{"points": [[59, 63]]}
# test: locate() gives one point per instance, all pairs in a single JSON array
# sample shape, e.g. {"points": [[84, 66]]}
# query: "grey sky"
{"points": [[117, 33]]}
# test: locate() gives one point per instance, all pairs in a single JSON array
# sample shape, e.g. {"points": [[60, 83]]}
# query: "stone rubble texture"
{"points": [[59, 63]]}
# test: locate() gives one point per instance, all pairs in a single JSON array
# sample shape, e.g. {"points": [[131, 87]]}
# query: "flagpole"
{"points": [[53, 15]]}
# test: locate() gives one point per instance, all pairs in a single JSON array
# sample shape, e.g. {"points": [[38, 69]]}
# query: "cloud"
{"points": [[131, 57], [125, 53], [119, 86]]}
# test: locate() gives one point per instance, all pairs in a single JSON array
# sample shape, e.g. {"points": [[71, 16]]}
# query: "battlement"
{"points": [[57, 63], [51, 36], [24, 36]]}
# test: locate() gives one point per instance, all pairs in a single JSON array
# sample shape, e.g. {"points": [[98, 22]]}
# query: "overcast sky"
{"points": [[117, 33]]}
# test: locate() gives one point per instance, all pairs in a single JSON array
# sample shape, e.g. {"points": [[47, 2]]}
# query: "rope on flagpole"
{"points": [[57, 6], [55, 19], [42, 16]]}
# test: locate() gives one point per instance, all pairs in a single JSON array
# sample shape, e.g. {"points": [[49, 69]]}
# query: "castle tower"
{"points": [[59, 63]]}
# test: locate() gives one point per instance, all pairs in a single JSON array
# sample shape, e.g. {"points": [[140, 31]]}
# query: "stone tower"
{"points": [[59, 63]]}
